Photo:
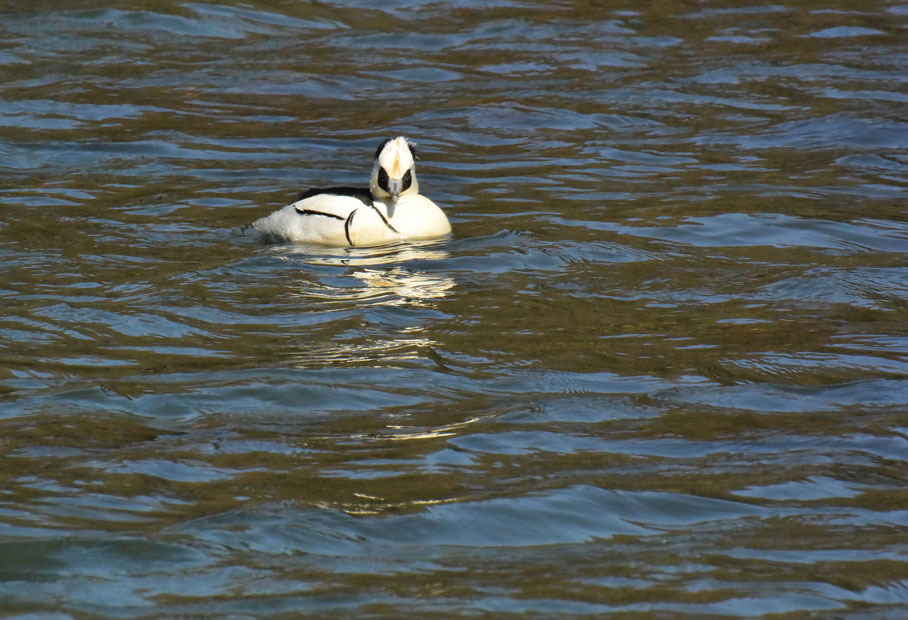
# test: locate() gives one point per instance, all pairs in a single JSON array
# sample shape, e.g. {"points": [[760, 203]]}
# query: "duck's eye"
{"points": [[383, 179], [406, 182]]}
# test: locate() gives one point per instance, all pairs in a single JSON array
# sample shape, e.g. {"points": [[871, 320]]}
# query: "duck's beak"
{"points": [[394, 188]]}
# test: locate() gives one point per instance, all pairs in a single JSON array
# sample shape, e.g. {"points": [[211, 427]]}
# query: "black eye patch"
{"points": [[383, 179], [406, 181]]}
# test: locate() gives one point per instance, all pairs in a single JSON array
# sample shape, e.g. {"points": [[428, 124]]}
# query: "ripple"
{"points": [[771, 229], [813, 489], [571, 515], [845, 31]]}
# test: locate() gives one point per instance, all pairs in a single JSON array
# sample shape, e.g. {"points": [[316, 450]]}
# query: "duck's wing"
{"points": [[363, 194], [319, 216]]}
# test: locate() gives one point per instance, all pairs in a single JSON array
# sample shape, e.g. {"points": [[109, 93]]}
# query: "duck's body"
{"points": [[390, 209]]}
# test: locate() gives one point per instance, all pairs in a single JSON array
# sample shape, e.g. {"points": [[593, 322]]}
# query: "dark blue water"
{"points": [[659, 370]]}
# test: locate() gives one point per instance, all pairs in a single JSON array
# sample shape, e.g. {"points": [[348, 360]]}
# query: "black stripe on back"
{"points": [[314, 212], [360, 193]]}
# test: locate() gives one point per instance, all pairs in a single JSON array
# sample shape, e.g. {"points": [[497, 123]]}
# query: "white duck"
{"points": [[391, 208]]}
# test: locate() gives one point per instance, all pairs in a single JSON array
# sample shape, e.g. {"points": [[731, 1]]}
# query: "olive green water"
{"points": [[659, 370]]}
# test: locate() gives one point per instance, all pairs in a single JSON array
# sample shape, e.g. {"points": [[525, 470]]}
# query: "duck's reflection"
{"points": [[360, 350], [377, 255], [375, 304], [408, 287], [392, 275]]}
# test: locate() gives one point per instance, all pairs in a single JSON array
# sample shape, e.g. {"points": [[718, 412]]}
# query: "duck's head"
{"points": [[394, 172]]}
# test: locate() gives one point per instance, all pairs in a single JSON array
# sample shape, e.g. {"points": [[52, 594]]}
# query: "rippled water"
{"points": [[660, 369]]}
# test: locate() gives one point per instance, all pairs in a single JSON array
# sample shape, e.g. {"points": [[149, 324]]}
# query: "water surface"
{"points": [[660, 368]]}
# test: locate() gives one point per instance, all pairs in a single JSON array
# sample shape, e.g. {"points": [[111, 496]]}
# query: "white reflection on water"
{"points": [[405, 433], [356, 352], [409, 287], [379, 255], [384, 274], [365, 281]]}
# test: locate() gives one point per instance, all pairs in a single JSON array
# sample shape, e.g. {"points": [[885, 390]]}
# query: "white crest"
{"points": [[396, 157]]}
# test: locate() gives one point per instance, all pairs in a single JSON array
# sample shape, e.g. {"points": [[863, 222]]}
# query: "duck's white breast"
{"points": [[417, 217]]}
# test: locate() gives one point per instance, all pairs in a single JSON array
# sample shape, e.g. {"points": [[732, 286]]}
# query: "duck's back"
{"points": [[328, 217]]}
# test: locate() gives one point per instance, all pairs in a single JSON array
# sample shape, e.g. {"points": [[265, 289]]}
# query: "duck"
{"points": [[390, 210]]}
